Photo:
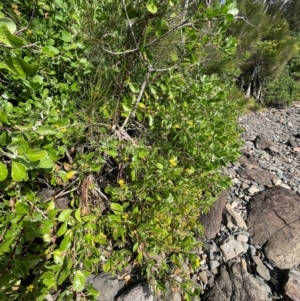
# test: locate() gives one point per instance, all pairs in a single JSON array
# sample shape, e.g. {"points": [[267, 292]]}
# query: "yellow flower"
{"points": [[64, 130], [125, 216], [102, 235], [121, 183], [197, 262], [29, 288], [172, 162]]}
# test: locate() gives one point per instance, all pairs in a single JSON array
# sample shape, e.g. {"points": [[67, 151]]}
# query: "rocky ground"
{"points": [[252, 237], [255, 254]]}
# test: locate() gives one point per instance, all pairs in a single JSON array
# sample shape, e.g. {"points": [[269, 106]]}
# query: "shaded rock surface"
{"points": [[274, 221], [106, 285], [212, 220], [292, 287], [140, 292], [235, 283]]}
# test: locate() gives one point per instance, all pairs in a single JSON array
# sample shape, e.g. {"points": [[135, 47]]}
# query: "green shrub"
{"points": [[136, 151], [284, 90]]}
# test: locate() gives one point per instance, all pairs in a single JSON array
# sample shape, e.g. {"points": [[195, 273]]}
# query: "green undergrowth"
{"points": [[134, 151]]}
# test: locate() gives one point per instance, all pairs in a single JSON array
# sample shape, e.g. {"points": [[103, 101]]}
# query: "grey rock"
{"points": [[274, 221], [262, 143], [245, 246], [203, 277], [292, 287], [140, 292], [231, 248], [253, 190], [284, 186], [212, 220], [276, 181], [106, 285], [235, 283], [261, 268], [209, 247], [242, 238], [262, 177], [238, 220], [248, 161], [214, 264]]}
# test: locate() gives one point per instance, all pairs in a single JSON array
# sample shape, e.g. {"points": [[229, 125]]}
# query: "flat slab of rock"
{"points": [[274, 223], [238, 220], [261, 177], [212, 220], [292, 287], [261, 269], [231, 248], [235, 283]]}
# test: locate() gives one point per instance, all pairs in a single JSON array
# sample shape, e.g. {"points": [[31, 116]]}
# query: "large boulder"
{"points": [[274, 223], [212, 220], [235, 283]]}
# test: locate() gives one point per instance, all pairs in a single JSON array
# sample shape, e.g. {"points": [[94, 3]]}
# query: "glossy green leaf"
{"points": [[4, 138], [62, 230], [46, 130], [136, 245], [19, 66], [49, 279], [3, 117], [22, 209], [18, 171], [36, 154], [79, 281], [66, 36], [6, 244], [66, 242], [50, 51], [8, 107], [65, 273], [9, 24], [78, 215], [19, 145], [64, 215], [116, 207], [152, 8], [3, 172], [7, 38], [46, 163], [159, 166]]}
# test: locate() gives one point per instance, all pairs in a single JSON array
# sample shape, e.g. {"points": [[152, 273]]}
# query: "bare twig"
{"points": [[244, 19], [183, 24], [138, 99]]}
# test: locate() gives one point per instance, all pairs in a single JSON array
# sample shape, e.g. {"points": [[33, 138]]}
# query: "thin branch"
{"points": [[30, 20], [244, 19], [138, 99], [30, 45], [183, 24]]}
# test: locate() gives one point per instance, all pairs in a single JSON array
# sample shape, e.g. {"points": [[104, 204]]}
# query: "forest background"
{"points": [[116, 119]]}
